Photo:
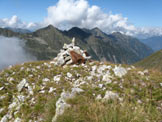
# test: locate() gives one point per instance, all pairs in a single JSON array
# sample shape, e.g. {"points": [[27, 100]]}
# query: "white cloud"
{"points": [[69, 13], [12, 52], [145, 32], [15, 22], [79, 13]]}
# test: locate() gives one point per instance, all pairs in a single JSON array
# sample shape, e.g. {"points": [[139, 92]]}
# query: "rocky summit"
{"points": [[67, 90], [71, 54]]}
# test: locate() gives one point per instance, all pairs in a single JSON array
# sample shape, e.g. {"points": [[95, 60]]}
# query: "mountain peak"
{"points": [[18, 30], [75, 29], [117, 33], [97, 32], [96, 29], [50, 27], [78, 33]]}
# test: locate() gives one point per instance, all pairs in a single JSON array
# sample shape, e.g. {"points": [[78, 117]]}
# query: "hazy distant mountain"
{"points": [[45, 43], [154, 42], [18, 30], [152, 62]]}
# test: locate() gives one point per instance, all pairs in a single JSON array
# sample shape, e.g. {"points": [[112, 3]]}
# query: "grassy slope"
{"points": [[154, 61], [142, 98]]}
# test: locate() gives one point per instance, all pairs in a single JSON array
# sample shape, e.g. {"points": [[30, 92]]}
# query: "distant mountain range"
{"points": [[18, 30], [154, 42], [152, 62], [45, 43]]}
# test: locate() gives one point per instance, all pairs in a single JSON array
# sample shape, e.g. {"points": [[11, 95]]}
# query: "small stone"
{"points": [[99, 97], [22, 68], [89, 78], [4, 119], [133, 67], [38, 67], [141, 73], [146, 71], [10, 79], [45, 80], [100, 85], [94, 68], [161, 84], [110, 95], [21, 85], [119, 71], [12, 105], [1, 88], [42, 92], [2, 97], [51, 89], [1, 110], [21, 98], [17, 120], [57, 78], [139, 101], [69, 75], [129, 69], [30, 75], [30, 90], [77, 90], [52, 62], [106, 78]]}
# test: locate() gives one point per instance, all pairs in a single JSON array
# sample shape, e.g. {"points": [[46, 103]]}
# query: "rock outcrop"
{"points": [[71, 54]]}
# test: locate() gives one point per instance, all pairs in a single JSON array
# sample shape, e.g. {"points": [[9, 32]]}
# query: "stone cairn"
{"points": [[71, 54]]}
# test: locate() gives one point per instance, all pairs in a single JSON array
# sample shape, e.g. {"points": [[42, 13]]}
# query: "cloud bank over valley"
{"points": [[12, 52]]}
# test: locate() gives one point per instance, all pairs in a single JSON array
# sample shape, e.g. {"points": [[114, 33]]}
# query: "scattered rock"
{"points": [[119, 71], [2, 97], [17, 120], [141, 73], [51, 89], [161, 84], [4, 119], [45, 80], [1, 110], [21, 85], [42, 92], [100, 85], [110, 95], [69, 75], [12, 105], [1, 88], [99, 97], [61, 104], [76, 90], [57, 78], [21, 98], [106, 78]]}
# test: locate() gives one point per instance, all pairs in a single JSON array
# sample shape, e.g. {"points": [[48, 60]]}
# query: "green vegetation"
{"points": [[140, 95], [152, 62]]}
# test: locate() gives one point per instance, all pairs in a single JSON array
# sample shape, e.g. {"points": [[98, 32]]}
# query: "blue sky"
{"points": [[139, 12]]}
